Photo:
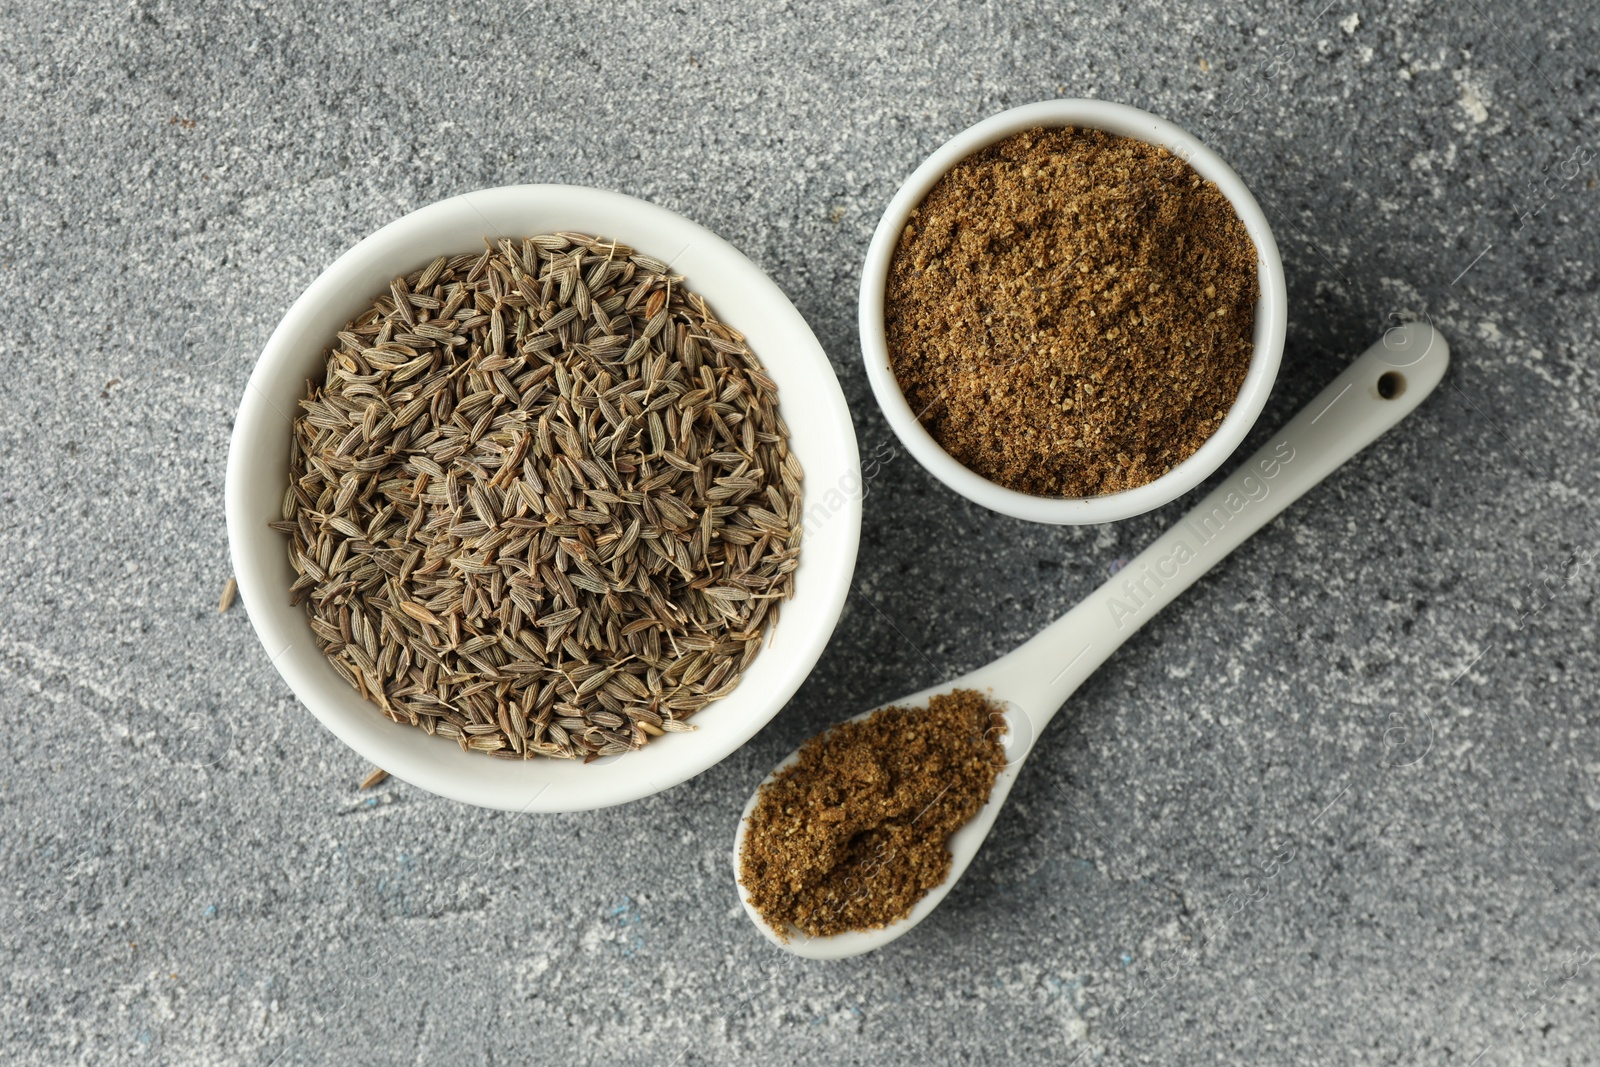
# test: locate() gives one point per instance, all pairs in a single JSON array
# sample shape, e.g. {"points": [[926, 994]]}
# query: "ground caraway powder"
{"points": [[855, 831], [1071, 312]]}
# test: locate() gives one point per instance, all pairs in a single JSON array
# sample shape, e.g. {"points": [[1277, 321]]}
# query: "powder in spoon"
{"points": [[855, 832]]}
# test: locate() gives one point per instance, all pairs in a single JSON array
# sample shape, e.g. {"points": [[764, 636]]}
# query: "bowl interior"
{"points": [[810, 400], [1270, 321]]}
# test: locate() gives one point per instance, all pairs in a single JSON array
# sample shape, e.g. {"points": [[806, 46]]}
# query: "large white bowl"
{"points": [[1272, 314], [742, 296]]}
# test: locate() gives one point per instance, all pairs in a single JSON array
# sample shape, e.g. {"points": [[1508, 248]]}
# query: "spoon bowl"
{"points": [[1381, 387]]}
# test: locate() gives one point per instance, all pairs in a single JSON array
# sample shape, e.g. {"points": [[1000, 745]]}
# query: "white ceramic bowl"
{"points": [[1271, 315], [809, 397]]}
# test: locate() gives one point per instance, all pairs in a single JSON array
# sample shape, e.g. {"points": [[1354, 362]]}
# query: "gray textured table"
{"points": [[1385, 700]]}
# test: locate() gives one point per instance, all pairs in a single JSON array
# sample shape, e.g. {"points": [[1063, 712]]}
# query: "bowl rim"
{"points": [[792, 354], [1270, 323]]}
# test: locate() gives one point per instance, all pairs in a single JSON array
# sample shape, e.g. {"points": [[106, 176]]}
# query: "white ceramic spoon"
{"points": [[1374, 393]]}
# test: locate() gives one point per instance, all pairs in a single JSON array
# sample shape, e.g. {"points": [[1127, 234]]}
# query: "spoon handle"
{"points": [[1374, 393]]}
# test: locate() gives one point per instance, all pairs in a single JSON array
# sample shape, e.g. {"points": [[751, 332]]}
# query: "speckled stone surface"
{"points": [[1338, 805]]}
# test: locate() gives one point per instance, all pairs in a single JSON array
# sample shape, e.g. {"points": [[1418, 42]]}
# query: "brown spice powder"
{"points": [[855, 831], [1071, 312]]}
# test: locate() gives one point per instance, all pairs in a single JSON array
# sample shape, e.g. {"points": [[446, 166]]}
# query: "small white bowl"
{"points": [[1271, 315], [810, 399]]}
